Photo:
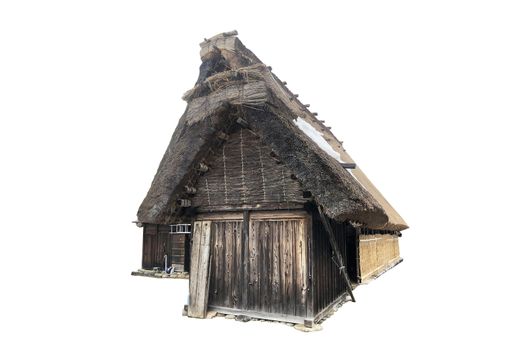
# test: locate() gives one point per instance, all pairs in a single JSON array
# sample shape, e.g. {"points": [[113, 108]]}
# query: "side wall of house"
{"points": [[328, 282], [378, 251], [157, 242]]}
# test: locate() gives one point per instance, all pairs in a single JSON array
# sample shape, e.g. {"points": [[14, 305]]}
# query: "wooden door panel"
{"points": [[226, 264], [276, 261]]}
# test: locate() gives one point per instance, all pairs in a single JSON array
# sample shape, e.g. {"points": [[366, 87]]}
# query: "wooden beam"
{"points": [[201, 167], [245, 272], [200, 272], [273, 316], [190, 189], [144, 245], [222, 135], [242, 122], [251, 207], [322, 314], [348, 165], [339, 257], [278, 215], [357, 254], [308, 322]]}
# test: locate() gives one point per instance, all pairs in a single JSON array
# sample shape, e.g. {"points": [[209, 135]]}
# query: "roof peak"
{"points": [[225, 40]]}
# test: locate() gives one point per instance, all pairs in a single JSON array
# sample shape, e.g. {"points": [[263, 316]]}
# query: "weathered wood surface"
{"points": [[224, 263], [243, 172], [262, 268], [301, 273], [327, 282], [208, 209], [154, 246], [310, 298], [245, 255], [199, 272], [337, 252], [158, 242], [178, 252]]}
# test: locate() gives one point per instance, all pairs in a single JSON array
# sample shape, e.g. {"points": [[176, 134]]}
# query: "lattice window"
{"points": [[180, 229]]}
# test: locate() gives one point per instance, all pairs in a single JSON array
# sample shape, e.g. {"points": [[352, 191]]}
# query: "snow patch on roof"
{"points": [[317, 137]]}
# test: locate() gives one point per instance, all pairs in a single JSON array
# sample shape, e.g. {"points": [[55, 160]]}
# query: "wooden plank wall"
{"points": [[155, 244], [157, 241], [377, 252], [276, 266], [226, 264], [243, 171], [328, 283], [178, 252]]}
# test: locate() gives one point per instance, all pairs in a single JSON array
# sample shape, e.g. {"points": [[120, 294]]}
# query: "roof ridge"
{"points": [[219, 36]]}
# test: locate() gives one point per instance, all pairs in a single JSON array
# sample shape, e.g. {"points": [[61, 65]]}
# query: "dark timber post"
{"points": [[333, 243], [309, 321], [357, 254], [245, 257]]}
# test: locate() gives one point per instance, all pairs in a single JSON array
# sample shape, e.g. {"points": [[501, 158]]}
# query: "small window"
{"points": [[180, 229]]}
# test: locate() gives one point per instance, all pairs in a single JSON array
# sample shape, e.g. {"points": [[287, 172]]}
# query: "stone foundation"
{"points": [[160, 274]]}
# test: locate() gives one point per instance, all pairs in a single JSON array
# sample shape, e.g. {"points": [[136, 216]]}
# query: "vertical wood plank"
{"points": [[199, 277], [253, 287], [237, 284], [276, 268], [187, 253], [145, 249], [255, 233], [169, 249], [282, 262], [212, 294], [290, 302], [300, 264], [265, 270], [288, 269], [293, 267], [310, 265], [245, 257], [337, 252], [228, 253], [220, 262], [195, 263]]}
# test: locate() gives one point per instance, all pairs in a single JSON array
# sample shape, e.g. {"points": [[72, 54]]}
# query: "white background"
{"points": [[427, 96]]}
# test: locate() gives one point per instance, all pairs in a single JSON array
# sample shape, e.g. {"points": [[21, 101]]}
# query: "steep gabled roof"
{"points": [[235, 86]]}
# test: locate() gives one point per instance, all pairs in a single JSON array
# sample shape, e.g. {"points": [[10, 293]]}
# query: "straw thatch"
{"points": [[234, 86], [377, 253]]}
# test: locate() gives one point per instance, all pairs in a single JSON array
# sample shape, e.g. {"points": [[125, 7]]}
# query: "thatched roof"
{"points": [[234, 85]]}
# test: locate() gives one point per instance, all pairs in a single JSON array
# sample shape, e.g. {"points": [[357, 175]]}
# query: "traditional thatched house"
{"points": [[282, 222]]}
